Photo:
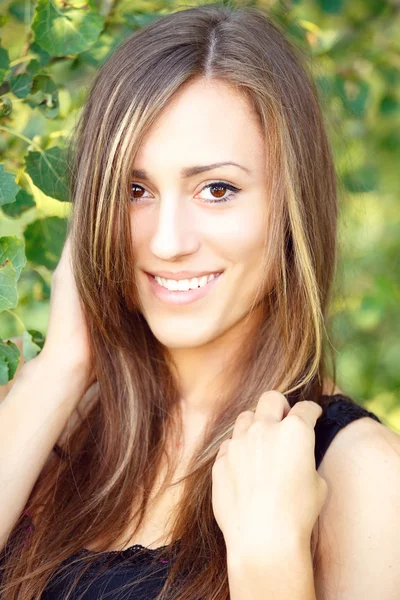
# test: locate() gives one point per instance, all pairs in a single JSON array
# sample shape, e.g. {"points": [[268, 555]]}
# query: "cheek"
{"points": [[140, 233], [241, 234]]}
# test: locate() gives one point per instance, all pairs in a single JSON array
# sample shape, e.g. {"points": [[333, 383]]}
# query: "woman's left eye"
{"points": [[219, 186]]}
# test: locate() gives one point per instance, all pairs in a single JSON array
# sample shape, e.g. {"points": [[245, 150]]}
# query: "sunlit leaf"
{"points": [[8, 285], [68, 30], [12, 248], [8, 187], [44, 95], [4, 63], [44, 241], [5, 106], [9, 359], [32, 343], [23, 201], [48, 172], [21, 84]]}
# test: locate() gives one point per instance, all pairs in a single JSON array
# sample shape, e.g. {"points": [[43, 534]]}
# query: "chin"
{"points": [[184, 336]]}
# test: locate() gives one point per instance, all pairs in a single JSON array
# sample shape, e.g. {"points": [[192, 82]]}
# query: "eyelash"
{"points": [[223, 184]]}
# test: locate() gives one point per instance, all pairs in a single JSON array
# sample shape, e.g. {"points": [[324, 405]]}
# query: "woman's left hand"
{"points": [[266, 490]]}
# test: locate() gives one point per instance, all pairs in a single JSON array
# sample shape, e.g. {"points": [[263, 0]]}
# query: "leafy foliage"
{"points": [[51, 49]]}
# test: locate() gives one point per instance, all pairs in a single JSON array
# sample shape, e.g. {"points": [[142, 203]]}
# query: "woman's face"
{"points": [[180, 224]]}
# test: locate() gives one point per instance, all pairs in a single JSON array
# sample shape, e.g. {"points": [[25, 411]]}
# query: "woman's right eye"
{"points": [[132, 196]]}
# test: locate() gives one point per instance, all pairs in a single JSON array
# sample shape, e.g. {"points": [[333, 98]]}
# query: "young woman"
{"points": [[184, 374]]}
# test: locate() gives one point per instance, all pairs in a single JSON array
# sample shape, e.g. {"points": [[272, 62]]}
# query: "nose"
{"points": [[175, 233]]}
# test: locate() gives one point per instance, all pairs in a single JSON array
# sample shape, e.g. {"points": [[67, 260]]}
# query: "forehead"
{"points": [[207, 121]]}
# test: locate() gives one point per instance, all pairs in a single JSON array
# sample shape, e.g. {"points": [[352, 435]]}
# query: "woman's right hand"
{"points": [[67, 339]]}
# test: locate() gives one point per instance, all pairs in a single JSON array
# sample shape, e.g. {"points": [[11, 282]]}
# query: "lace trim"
{"points": [[349, 411], [118, 560], [135, 550]]}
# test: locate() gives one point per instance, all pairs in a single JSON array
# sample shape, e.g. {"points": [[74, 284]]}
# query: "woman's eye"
{"points": [[217, 188], [133, 186], [220, 188]]}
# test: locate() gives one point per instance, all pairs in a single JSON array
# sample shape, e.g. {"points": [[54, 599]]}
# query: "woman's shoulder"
{"points": [[359, 431], [359, 519]]}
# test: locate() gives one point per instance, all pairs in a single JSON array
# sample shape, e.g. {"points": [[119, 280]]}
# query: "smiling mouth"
{"points": [[185, 285]]}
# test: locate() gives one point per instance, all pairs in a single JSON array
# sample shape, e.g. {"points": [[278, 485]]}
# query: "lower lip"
{"points": [[179, 298]]}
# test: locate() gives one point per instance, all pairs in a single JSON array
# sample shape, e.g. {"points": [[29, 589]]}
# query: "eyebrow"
{"points": [[187, 172]]}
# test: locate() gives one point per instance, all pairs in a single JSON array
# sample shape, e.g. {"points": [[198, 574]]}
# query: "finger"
{"points": [[272, 406], [307, 410], [242, 423]]}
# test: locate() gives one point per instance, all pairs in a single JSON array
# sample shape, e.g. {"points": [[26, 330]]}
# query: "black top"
{"points": [[114, 569]]}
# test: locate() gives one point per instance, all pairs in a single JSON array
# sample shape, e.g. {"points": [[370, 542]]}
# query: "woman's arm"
{"points": [[32, 417], [285, 576], [358, 553]]}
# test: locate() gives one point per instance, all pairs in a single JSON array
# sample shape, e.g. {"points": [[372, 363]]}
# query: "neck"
{"points": [[202, 371]]}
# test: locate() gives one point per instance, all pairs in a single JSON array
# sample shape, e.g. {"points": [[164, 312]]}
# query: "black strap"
{"points": [[339, 411]]}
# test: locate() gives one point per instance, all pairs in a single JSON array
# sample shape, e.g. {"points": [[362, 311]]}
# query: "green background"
{"points": [[353, 49]]}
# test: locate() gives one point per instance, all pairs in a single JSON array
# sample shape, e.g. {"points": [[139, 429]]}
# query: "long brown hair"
{"points": [[113, 455]]}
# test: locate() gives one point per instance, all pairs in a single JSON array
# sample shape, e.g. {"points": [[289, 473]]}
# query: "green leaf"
{"points": [[21, 84], [47, 170], [43, 57], [4, 63], [65, 30], [8, 187], [13, 249], [44, 241], [44, 95], [389, 105], [9, 359], [331, 6], [21, 10], [390, 141], [23, 201], [5, 106], [32, 343], [364, 179], [8, 286], [354, 93], [101, 49], [33, 67], [139, 20]]}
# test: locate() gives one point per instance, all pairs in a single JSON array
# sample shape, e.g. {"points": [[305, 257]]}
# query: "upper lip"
{"points": [[181, 274]]}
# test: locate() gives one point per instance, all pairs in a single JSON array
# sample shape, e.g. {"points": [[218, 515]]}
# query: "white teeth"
{"points": [[202, 281], [185, 284], [194, 283]]}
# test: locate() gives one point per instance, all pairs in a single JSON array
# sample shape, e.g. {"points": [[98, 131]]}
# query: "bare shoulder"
{"points": [[359, 525]]}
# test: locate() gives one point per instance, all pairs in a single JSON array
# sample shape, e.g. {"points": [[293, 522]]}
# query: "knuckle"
{"points": [[257, 428], [295, 423], [273, 396], [245, 414]]}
